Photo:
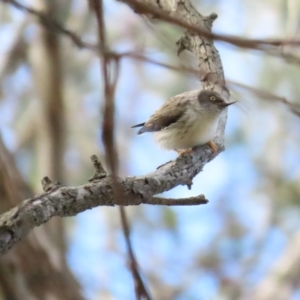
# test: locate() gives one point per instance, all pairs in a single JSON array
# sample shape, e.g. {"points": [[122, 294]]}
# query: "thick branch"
{"points": [[69, 201]]}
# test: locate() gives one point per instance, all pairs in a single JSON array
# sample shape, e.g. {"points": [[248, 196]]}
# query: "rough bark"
{"points": [[31, 270], [69, 201]]}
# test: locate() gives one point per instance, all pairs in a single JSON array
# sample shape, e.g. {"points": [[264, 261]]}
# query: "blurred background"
{"points": [[244, 244]]}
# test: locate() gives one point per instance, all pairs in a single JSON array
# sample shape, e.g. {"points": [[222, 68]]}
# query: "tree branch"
{"points": [[173, 202], [51, 24], [67, 201], [108, 129], [267, 45], [140, 289]]}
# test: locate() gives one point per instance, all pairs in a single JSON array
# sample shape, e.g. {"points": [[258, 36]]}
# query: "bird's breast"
{"points": [[193, 130]]}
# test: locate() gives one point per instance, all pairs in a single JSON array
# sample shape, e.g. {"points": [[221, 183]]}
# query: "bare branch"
{"points": [[140, 289], [173, 202], [110, 82], [268, 45], [51, 24], [69, 201], [154, 8], [100, 172], [293, 107]]}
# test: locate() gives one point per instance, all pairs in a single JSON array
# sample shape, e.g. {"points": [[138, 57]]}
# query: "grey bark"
{"points": [[34, 255], [69, 201]]}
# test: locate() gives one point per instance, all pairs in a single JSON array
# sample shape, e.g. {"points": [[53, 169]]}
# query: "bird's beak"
{"points": [[225, 104]]}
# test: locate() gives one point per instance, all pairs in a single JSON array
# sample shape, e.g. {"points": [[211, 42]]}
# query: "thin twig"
{"points": [[108, 141], [173, 202], [143, 8], [293, 107], [259, 92], [100, 173], [52, 24], [259, 44], [109, 90], [140, 290], [140, 57]]}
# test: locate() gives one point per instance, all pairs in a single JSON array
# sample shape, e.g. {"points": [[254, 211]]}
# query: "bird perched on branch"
{"points": [[186, 120]]}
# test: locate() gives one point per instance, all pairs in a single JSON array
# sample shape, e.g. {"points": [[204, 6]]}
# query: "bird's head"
{"points": [[212, 100]]}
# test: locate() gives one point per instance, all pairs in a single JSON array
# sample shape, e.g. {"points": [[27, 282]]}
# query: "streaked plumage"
{"points": [[186, 120]]}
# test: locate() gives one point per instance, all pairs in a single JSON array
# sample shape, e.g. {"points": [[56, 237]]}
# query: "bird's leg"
{"points": [[185, 151], [213, 146]]}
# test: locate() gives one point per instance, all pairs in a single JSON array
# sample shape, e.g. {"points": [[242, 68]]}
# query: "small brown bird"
{"points": [[186, 120]]}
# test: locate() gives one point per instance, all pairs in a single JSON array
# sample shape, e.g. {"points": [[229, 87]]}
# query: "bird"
{"points": [[186, 120]]}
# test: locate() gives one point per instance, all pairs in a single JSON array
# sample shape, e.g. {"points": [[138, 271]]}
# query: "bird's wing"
{"points": [[168, 114]]}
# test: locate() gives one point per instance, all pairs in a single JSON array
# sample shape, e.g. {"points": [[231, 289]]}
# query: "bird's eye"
{"points": [[213, 98]]}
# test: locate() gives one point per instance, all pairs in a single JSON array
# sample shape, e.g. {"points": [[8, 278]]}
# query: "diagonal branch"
{"points": [[69, 201], [51, 24]]}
